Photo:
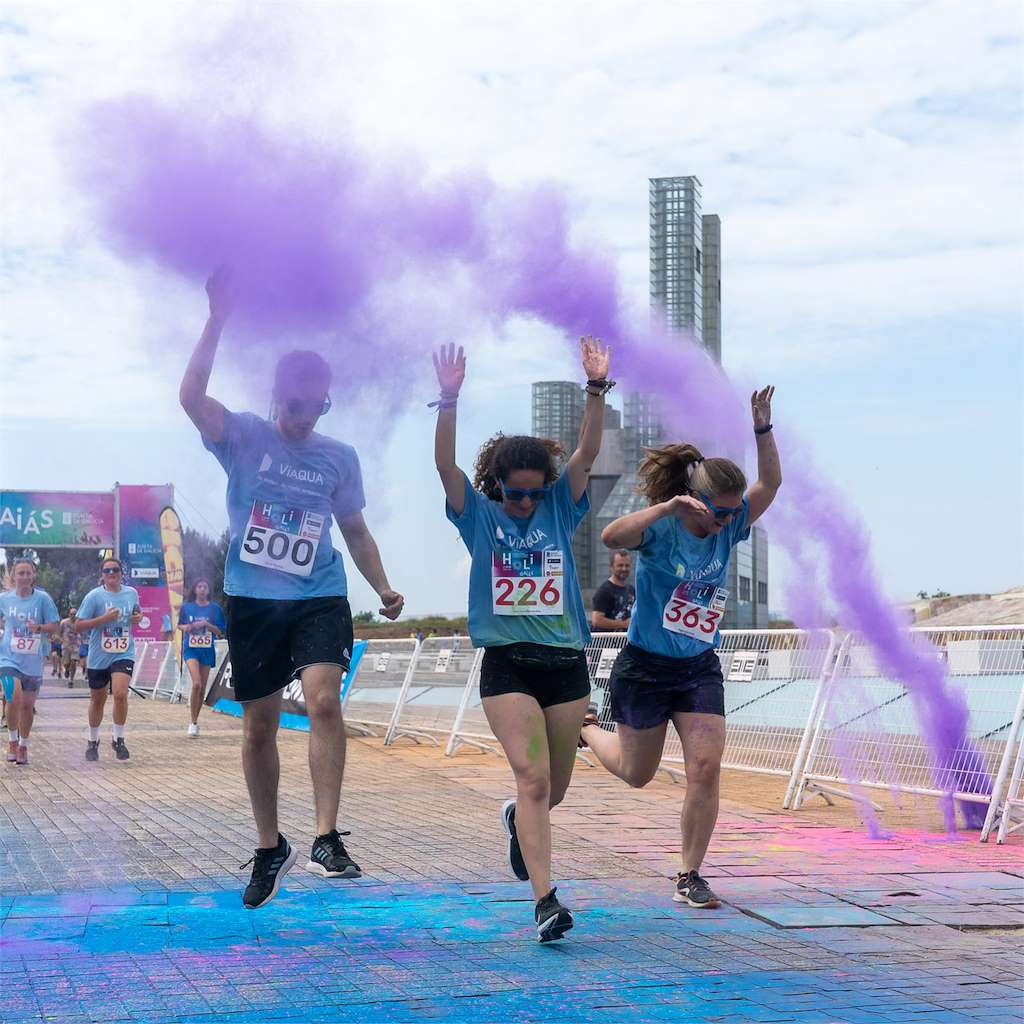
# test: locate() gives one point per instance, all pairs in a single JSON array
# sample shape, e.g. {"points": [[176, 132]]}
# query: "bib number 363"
{"points": [[527, 583], [695, 610], [281, 538]]}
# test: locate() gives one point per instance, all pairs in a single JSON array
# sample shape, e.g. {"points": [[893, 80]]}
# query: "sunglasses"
{"points": [[112, 571], [299, 406], [721, 512], [535, 494]]}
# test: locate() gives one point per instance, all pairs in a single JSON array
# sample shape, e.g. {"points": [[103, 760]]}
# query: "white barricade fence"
{"points": [[866, 731], [470, 726], [156, 670], [381, 676], [432, 692], [1007, 804], [183, 685], [774, 679]]}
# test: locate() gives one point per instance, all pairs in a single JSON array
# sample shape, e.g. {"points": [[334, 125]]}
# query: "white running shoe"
{"points": [[193, 730]]}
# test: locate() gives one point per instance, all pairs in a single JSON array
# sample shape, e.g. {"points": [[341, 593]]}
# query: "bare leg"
{"points": [[119, 685], [562, 722], [262, 767], [14, 707], [520, 727], [97, 702], [199, 675], [630, 754], [703, 738], [321, 685], [28, 703]]}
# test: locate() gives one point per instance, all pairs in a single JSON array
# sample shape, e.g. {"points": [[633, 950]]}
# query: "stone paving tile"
{"points": [[120, 900]]}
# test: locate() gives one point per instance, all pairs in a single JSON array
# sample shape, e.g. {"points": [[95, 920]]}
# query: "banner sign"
{"points": [[139, 508], [221, 694], [174, 568], [56, 519]]}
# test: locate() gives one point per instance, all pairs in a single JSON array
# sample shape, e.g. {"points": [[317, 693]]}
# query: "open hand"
{"points": [[393, 603], [221, 291], [450, 369], [761, 406], [596, 358]]}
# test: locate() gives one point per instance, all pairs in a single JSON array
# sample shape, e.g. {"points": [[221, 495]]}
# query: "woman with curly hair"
{"points": [[669, 671], [517, 518]]}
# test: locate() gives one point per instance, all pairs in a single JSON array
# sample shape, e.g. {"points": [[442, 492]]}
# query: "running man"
{"points": [[669, 671], [29, 615], [201, 622], [613, 600], [107, 614], [69, 645], [288, 614], [517, 518], [56, 651]]}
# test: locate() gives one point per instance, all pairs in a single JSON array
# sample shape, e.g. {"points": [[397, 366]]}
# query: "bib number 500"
{"points": [[278, 550]]}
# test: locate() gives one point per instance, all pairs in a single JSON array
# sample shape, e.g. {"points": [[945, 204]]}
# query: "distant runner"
{"points": [[202, 622], [69, 646]]}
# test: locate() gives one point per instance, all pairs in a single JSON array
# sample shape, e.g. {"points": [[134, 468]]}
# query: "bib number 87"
{"points": [[526, 595]]}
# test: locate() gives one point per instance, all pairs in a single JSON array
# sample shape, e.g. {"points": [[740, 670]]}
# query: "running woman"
{"points": [[517, 518], [29, 615], [288, 614], [69, 645], [201, 622], [107, 614], [669, 671]]}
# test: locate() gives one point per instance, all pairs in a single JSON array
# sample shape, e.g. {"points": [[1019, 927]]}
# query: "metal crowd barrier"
{"points": [[375, 691], [866, 730]]}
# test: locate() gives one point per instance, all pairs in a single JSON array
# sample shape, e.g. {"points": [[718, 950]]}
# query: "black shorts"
{"points": [[271, 642], [648, 689], [549, 685], [99, 678]]}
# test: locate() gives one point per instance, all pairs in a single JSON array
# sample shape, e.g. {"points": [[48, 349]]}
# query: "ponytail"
{"points": [[676, 469]]}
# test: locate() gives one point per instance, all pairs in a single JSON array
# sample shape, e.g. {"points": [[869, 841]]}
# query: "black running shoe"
{"points": [[92, 750], [515, 854], [120, 749], [553, 920], [330, 858], [269, 866], [692, 889]]}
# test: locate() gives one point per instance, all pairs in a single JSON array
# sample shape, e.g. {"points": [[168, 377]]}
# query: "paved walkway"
{"points": [[120, 898]]}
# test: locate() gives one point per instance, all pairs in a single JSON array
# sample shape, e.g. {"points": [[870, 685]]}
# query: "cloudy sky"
{"points": [[865, 160]]}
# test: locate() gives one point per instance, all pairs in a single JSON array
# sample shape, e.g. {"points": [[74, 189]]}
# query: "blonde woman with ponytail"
{"points": [[698, 510]]}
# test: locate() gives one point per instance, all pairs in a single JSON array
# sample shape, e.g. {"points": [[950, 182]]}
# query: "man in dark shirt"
{"points": [[613, 600]]}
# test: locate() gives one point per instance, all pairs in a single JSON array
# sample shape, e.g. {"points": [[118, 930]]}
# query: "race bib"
{"points": [[527, 582], [115, 641], [281, 538], [695, 609], [25, 642], [203, 639]]}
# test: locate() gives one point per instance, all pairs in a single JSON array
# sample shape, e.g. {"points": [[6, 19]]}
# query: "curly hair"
{"points": [[502, 455], [681, 469]]}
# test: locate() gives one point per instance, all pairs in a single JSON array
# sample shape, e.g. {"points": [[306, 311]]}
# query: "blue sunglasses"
{"points": [[535, 494], [721, 512]]}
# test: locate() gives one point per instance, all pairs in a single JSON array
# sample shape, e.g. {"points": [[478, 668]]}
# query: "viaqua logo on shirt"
{"points": [[698, 574], [307, 476]]}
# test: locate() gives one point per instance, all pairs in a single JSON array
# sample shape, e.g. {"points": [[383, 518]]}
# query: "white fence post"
{"points": [[377, 686], [1006, 798], [477, 733]]}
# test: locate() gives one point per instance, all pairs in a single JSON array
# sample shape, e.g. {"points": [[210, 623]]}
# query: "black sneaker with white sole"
{"points": [[92, 750], [330, 858], [120, 749], [694, 890], [269, 866], [553, 920], [515, 854]]}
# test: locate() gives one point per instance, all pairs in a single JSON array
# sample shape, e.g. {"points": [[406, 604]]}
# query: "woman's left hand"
{"points": [[761, 406], [596, 357]]}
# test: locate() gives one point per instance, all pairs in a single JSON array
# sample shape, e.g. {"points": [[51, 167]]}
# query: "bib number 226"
{"points": [[525, 592]]}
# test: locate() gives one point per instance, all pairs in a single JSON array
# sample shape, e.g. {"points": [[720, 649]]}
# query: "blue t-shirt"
{"points": [[20, 648], [679, 586], [113, 641], [281, 495], [522, 582], [200, 639]]}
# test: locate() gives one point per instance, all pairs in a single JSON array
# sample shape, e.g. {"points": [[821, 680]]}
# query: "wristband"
{"points": [[762, 430], [603, 386], [444, 402]]}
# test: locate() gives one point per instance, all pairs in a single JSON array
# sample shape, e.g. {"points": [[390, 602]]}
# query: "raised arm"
{"points": [[628, 531], [596, 358], [451, 371], [769, 469], [206, 412]]}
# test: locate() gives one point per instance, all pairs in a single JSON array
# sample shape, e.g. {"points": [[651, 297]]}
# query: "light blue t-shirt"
{"points": [[522, 581], [113, 641], [20, 648], [680, 579], [200, 639], [281, 496]]}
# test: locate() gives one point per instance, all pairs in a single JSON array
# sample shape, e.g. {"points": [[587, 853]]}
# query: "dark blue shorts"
{"points": [[648, 689], [204, 655]]}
